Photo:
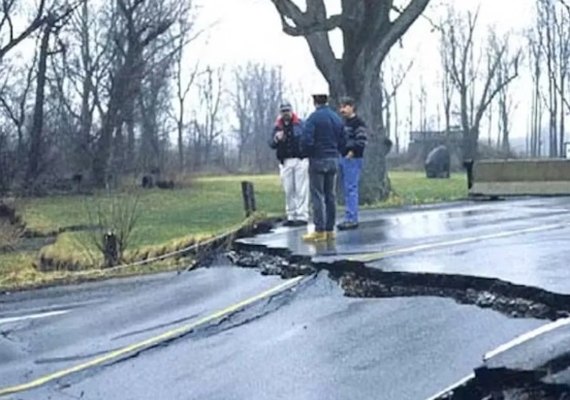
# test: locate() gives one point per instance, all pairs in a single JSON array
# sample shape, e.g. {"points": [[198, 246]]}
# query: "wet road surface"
{"points": [[313, 344], [307, 341]]}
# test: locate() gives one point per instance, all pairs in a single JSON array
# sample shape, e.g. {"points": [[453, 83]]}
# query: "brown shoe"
{"points": [[315, 237], [331, 235]]}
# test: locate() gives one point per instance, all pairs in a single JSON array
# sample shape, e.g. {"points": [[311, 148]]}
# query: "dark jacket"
{"points": [[356, 136], [323, 134], [291, 146]]}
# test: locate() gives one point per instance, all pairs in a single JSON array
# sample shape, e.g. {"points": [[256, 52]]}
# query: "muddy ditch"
{"points": [[198, 254]]}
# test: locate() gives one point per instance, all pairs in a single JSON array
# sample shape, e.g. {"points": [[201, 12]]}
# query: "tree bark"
{"points": [[35, 152], [111, 120]]}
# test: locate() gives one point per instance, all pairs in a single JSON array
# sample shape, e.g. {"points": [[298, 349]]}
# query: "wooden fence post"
{"points": [[111, 249], [248, 193]]}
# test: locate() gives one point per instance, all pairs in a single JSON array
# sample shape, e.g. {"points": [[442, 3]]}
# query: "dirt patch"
{"points": [[269, 264]]}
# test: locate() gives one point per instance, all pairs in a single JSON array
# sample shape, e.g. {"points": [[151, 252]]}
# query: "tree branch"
{"points": [[499, 59], [34, 25], [314, 20], [395, 30]]}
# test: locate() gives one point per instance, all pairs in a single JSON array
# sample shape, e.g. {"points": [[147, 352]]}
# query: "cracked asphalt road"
{"points": [[309, 342]]}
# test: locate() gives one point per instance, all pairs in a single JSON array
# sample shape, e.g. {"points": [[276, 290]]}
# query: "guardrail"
{"points": [[530, 177]]}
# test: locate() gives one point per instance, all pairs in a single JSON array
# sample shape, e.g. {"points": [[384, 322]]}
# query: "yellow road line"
{"points": [[149, 342], [431, 246]]}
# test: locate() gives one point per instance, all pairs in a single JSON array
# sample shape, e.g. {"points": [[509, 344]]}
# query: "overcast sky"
{"points": [[251, 30]]}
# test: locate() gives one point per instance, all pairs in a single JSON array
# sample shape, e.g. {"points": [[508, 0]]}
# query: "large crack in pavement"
{"points": [[519, 386], [508, 384], [356, 279], [359, 280]]}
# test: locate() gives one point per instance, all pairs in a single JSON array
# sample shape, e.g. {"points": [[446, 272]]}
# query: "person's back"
{"points": [[323, 134], [323, 141]]}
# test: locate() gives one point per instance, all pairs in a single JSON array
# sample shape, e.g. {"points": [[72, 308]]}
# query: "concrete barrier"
{"points": [[549, 177]]}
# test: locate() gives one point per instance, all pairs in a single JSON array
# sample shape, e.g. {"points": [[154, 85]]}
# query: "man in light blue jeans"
{"points": [[351, 161]]}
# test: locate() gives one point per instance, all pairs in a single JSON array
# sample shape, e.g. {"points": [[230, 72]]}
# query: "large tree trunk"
{"points": [[369, 33], [82, 156], [104, 145], [35, 153], [124, 89], [85, 125], [471, 144], [131, 165], [375, 184]]}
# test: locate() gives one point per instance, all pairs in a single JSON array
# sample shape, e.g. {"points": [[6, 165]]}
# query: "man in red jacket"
{"points": [[293, 167]]}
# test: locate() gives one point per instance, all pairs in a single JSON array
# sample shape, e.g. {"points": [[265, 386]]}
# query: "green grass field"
{"points": [[209, 206], [413, 188]]}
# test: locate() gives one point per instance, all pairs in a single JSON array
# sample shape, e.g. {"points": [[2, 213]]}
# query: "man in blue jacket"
{"points": [[323, 142]]}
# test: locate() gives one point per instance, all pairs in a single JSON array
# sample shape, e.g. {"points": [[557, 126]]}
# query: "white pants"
{"points": [[295, 178]]}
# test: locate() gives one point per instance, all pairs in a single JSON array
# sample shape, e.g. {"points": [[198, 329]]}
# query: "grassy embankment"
{"points": [[171, 219]]}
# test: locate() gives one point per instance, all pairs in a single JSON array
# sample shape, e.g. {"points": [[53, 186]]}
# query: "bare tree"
{"points": [[369, 32], [14, 102], [447, 88], [52, 25], [182, 91], [183, 34], [505, 102], [206, 126], [550, 47], [242, 105], [422, 103], [255, 101], [113, 216], [535, 65], [141, 24], [466, 72], [490, 114], [391, 86], [410, 119], [9, 37], [267, 95], [154, 99], [48, 17], [85, 67], [102, 81], [548, 16]]}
